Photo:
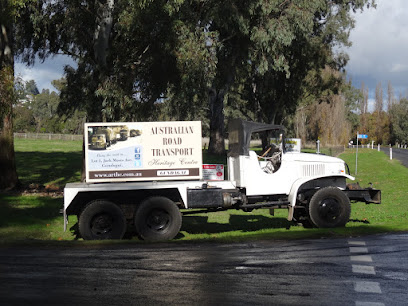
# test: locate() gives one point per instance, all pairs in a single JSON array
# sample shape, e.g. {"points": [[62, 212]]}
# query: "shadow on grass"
{"points": [[243, 223], [23, 211], [57, 168]]}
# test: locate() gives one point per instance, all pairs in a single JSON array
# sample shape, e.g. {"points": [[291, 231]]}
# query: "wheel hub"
{"points": [[102, 224], [329, 209], [158, 220]]}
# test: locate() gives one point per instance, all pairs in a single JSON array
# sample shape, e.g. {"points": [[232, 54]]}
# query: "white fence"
{"points": [[48, 136]]}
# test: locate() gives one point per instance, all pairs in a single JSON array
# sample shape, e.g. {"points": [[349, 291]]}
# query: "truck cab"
{"points": [[98, 141], [291, 177]]}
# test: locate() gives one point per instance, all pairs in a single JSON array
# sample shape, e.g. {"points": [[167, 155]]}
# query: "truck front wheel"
{"points": [[157, 218], [100, 220], [329, 207]]}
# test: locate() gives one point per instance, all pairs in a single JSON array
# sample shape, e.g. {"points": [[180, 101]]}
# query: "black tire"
{"points": [[329, 207], [157, 218], [100, 220]]}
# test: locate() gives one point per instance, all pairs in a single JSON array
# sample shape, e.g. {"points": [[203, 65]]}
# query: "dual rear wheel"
{"points": [[156, 218]]}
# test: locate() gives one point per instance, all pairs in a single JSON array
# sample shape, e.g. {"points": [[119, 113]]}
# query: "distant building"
{"points": [[25, 100]]}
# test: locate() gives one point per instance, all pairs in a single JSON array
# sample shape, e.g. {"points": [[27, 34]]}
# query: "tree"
{"points": [[378, 111], [363, 99], [390, 96], [125, 52], [277, 45], [399, 123], [378, 127], [8, 174], [44, 107], [134, 55], [363, 107], [31, 88], [330, 114], [23, 118], [78, 29], [379, 98]]}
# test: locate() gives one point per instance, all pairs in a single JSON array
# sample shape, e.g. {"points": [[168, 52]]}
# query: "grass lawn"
{"points": [[48, 162], [26, 218], [389, 176]]}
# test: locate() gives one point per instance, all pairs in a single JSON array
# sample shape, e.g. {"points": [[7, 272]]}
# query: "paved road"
{"points": [[400, 154], [357, 271]]}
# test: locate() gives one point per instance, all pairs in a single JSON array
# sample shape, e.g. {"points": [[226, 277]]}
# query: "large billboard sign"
{"points": [[140, 151]]}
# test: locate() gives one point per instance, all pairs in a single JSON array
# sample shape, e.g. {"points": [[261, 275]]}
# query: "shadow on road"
{"points": [[243, 223]]}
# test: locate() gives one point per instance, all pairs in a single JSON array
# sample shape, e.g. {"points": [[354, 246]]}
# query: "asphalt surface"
{"points": [[369, 270], [400, 154]]}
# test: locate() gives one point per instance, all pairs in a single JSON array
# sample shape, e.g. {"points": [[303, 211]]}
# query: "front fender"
{"points": [[318, 182]]}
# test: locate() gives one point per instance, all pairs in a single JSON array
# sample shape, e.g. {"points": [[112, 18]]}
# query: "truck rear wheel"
{"points": [[157, 218], [329, 207], [100, 220]]}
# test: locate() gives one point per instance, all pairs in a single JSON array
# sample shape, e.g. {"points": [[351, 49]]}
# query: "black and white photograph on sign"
{"points": [[110, 137]]}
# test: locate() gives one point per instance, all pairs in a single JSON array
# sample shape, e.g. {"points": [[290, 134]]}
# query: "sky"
{"points": [[43, 73], [380, 47], [379, 52]]}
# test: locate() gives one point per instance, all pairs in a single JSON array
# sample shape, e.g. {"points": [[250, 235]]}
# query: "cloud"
{"points": [[43, 73], [380, 46]]}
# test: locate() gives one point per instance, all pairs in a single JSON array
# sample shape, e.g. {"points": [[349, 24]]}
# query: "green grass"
{"points": [[27, 218], [30, 218], [45, 162], [389, 176]]}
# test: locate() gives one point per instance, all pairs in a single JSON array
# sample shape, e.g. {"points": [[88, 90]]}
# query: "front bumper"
{"points": [[367, 195]]}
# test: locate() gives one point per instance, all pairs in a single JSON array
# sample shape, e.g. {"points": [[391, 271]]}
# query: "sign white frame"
{"points": [[143, 151]]}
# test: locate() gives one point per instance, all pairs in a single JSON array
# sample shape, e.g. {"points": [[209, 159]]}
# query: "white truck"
{"points": [[312, 187]]}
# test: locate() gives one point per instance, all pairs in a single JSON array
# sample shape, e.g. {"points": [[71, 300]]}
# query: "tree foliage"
{"points": [[384, 127], [39, 113], [179, 59], [134, 56], [328, 114], [399, 123]]}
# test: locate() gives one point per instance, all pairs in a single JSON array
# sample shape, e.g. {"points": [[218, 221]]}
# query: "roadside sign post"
{"points": [[356, 153], [361, 136]]}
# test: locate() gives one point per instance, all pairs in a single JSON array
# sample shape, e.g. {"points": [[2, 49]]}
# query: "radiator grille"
{"points": [[314, 170]]}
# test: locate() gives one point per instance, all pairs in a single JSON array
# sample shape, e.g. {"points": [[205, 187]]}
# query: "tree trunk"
{"points": [[101, 44], [8, 172], [217, 128], [102, 32]]}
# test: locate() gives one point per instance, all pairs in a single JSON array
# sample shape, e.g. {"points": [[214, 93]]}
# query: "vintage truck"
{"points": [[152, 183], [101, 138]]}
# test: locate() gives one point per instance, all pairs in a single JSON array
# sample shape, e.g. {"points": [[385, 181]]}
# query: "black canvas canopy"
{"points": [[240, 132]]}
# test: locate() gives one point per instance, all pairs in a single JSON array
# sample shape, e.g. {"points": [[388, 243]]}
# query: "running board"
{"points": [[274, 204]]}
